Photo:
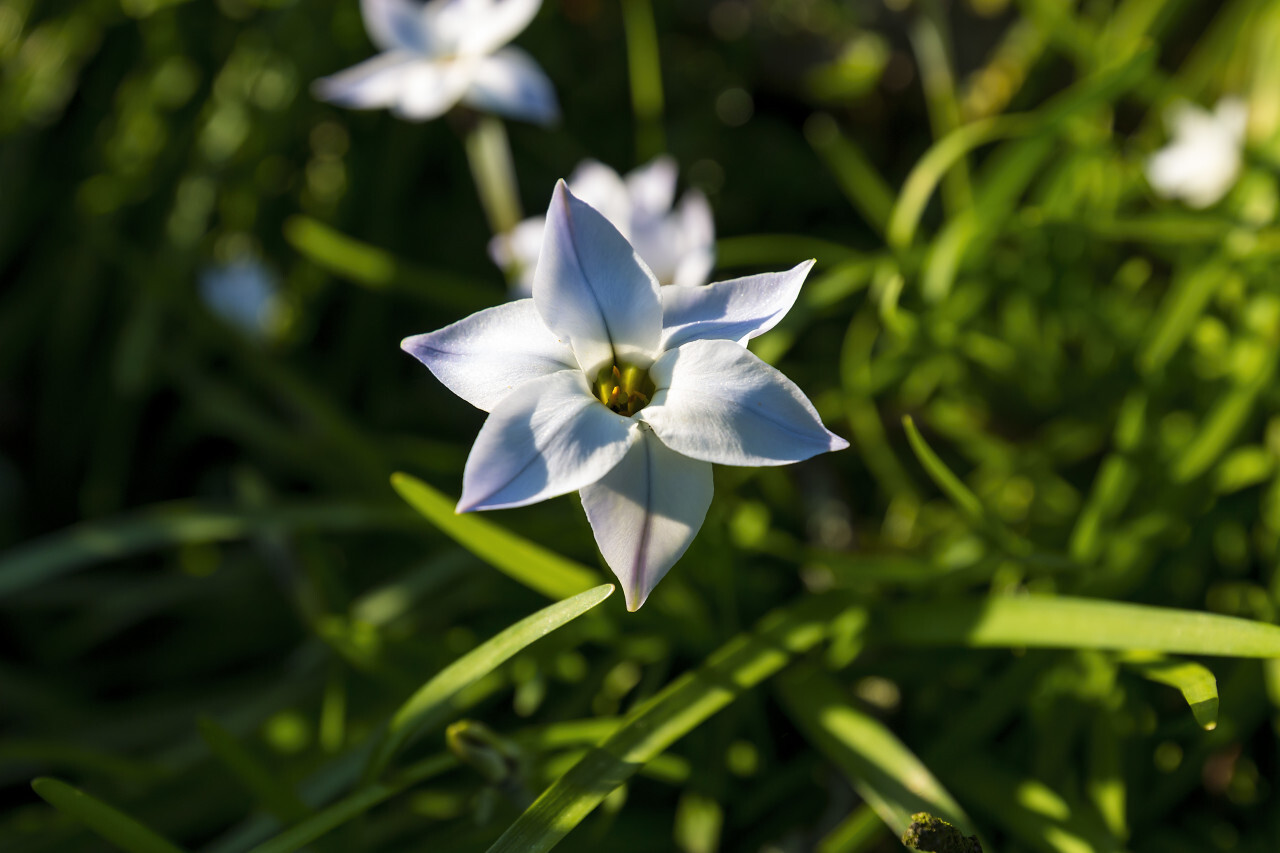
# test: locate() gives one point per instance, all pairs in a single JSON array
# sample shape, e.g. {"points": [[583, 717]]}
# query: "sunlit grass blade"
{"points": [[432, 704], [274, 794], [106, 821], [857, 832], [378, 269], [880, 767], [681, 706], [644, 69], [164, 526], [1072, 623], [1196, 683], [1181, 307], [532, 565]]}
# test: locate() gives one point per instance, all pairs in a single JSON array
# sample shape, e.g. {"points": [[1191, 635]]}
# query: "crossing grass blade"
{"points": [[532, 565], [107, 822], [681, 706], [880, 767], [1196, 683], [1072, 623], [432, 704]]}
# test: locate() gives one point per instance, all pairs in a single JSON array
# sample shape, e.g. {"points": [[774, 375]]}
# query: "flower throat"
{"points": [[625, 391]]}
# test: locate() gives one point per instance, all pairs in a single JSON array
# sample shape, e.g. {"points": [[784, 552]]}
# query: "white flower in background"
{"points": [[678, 244], [442, 53], [1200, 164], [605, 382], [245, 294]]}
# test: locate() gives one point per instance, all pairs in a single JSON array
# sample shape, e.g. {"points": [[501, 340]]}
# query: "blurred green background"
{"points": [[212, 601]]}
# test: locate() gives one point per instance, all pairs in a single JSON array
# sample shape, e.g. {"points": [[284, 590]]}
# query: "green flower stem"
{"points": [[645, 70], [489, 154]]}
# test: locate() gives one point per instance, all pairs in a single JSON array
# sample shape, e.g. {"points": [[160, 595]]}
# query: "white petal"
{"points": [[717, 402], [602, 188], [475, 27], [547, 437], [652, 187], [734, 310], [395, 25], [1232, 117], [516, 252], [592, 289], [373, 84], [430, 88], [483, 357], [646, 511], [698, 236], [510, 83]]}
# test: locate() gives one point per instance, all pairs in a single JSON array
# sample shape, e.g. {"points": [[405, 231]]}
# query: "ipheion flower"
{"points": [[606, 383], [1202, 161], [442, 53], [675, 239]]}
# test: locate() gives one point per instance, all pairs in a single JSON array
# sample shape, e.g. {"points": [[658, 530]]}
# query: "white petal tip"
{"points": [[837, 443], [635, 599]]}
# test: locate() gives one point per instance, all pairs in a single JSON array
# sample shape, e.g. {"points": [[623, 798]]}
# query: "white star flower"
{"points": [[605, 382], [1201, 163], [442, 53], [677, 244]]}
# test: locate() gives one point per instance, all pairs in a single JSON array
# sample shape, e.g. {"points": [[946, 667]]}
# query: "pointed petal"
{"points": [[547, 437], [719, 403], [735, 310], [698, 237], [516, 253], [510, 83], [478, 27], [646, 511], [482, 358], [395, 24], [370, 85], [593, 290]]}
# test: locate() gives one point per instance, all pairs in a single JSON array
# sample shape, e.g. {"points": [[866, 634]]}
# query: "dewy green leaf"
{"points": [[881, 768], [1196, 683], [107, 822], [1072, 623], [537, 568], [432, 703], [681, 706]]}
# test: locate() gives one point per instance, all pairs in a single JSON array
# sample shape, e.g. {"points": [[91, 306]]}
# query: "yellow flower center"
{"points": [[624, 390]]}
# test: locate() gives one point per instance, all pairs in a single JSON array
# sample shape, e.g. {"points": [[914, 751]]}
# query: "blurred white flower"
{"points": [[245, 294], [1202, 160], [606, 383], [438, 54], [677, 245]]}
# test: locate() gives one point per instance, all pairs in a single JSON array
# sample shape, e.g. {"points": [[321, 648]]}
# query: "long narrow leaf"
{"points": [[1073, 623], [433, 702], [1196, 683], [106, 821], [682, 705], [537, 568]]}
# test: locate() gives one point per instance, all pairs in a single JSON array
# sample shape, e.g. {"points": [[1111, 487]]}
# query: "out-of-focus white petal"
{"points": [[697, 238], [516, 252], [646, 511], [396, 25], [652, 188], [717, 402], [602, 188], [510, 83], [482, 358], [483, 26], [430, 89], [1202, 160], [734, 310], [372, 84], [547, 437], [1232, 115], [591, 288]]}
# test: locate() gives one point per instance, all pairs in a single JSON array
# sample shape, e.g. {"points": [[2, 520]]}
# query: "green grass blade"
{"points": [[681, 706], [92, 542], [1196, 683], [432, 704], [107, 822], [863, 185], [645, 71], [274, 795], [537, 568], [1073, 623], [881, 768], [964, 499]]}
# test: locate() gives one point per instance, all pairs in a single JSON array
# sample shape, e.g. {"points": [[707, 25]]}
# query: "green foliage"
{"points": [[1056, 533]]}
